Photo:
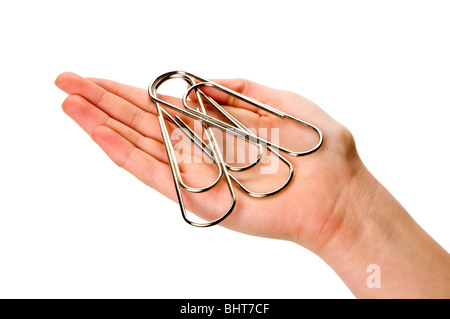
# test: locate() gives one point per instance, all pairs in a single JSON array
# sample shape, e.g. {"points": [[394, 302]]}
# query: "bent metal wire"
{"points": [[211, 149]]}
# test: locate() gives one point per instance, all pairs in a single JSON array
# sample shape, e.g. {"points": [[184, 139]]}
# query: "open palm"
{"points": [[122, 120]]}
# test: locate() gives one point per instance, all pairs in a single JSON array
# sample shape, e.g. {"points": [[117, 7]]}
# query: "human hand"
{"points": [[333, 206], [123, 121]]}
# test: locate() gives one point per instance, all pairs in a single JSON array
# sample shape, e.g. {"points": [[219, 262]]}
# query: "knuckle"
{"points": [[100, 96]]}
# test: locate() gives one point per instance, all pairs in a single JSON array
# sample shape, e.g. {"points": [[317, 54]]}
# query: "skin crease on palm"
{"points": [[122, 120]]}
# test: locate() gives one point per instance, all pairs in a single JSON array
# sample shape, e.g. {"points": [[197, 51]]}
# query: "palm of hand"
{"points": [[122, 120]]}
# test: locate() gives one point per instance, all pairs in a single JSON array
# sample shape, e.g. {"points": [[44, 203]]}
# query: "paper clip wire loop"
{"points": [[263, 107], [178, 181], [241, 126]]}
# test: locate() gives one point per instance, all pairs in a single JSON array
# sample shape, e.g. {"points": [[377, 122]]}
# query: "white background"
{"points": [[73, 225]]}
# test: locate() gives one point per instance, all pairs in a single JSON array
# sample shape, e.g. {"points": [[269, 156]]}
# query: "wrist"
{"points": [[360, 209], [378, 250]]}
